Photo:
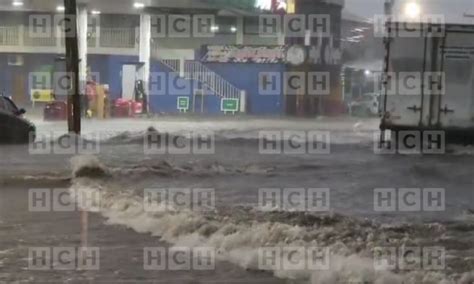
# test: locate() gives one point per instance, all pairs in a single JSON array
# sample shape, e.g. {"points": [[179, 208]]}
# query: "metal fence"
{"points": [[9, 36]]}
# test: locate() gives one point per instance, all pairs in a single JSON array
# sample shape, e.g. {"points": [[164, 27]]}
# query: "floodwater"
{"points": [[122, 171]]}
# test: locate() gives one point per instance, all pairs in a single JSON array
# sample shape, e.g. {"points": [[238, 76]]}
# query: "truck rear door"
{"points": [[455, 107], [411, 56]]}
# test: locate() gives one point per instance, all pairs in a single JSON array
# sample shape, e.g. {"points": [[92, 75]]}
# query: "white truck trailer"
{"points": [[428, 80]]}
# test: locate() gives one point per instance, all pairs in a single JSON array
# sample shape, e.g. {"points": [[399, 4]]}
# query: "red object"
{"points": [[137, 107], [56, 110], [126, 108]]}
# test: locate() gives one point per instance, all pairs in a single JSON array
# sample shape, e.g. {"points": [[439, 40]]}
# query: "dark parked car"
{"points": [[14, 129]]}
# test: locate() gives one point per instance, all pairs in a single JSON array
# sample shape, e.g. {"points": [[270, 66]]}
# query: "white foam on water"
{"points": [[88, 163], [238, 242]]}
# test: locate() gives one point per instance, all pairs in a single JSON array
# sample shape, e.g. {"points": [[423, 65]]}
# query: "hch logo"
{"points": [[409, 200], [176, 199], [162, 83], [63, 200], [184, 26], [295, 25], [196, 142], [179, 258], [409, 258], [294, 199], [64, 258], [294, 83], [294, 142], [412, 143], [428, 25], [56, 142], [61, 81], [411, 83], [58, 26], [294, 258]]}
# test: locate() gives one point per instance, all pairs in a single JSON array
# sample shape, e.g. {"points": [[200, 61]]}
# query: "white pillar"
{"points": [[82, 43], [145, 52], [182, 62], [240, 31], [281, 38], [243, 101]]}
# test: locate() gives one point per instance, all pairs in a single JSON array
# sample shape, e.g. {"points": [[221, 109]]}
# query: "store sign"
{"points": [[244, 54], [316, 54], [230, 105], [44, 96], [276, 6], [183, 104]]}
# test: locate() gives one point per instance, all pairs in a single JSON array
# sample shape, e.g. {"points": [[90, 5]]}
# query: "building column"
{"points": [[82, 23], [239, 34], [144, 56]]}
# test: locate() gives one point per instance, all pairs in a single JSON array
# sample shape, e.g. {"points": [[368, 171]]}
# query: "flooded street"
{"points": [[237, 141], [121, 174]]}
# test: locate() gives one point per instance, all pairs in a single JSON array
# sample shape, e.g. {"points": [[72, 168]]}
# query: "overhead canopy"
{"points": [[127, 6], [222, 7]]}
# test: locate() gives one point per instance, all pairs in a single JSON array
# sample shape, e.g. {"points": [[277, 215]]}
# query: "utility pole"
{"points": [[72, 66], [74, 96]]}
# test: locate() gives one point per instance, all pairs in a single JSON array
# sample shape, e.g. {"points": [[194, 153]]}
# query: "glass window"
{"points": [[2, 104], [9, 106]]}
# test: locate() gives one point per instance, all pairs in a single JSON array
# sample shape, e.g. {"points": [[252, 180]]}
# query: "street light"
{"points": [[412, 10]]}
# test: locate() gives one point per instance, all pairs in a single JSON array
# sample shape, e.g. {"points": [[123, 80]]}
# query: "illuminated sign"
{"points": [[264, 4], [277, 6]]}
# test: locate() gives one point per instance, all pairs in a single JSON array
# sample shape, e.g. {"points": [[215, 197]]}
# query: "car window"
{"points": [[2, 104], [8, 106]]}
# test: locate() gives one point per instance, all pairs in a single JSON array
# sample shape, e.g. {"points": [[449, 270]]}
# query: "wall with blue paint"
{"points": [[162, 97], [5, 76], [166, 86], [109, 68], [31, 63], [245, 76]]}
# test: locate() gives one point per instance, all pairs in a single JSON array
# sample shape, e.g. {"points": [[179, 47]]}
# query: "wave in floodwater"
{"points": [[238, 232], [238, 138]]}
